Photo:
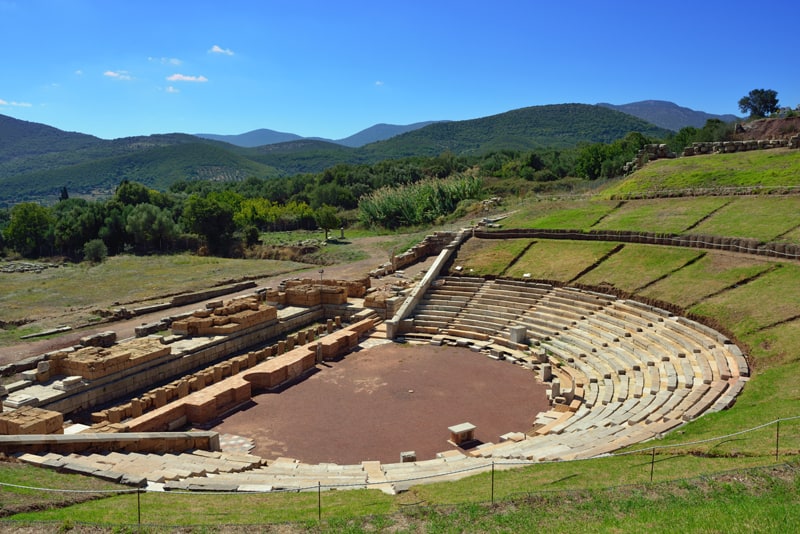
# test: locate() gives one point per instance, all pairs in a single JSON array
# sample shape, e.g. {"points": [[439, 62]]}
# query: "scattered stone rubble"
{"points": [[25, 267]]}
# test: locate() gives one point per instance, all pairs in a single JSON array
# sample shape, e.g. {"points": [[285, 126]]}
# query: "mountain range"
{"points": [[264, 136], [37, 160], [668, 114]]}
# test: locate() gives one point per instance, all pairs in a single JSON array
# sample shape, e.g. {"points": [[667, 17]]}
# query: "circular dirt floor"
{"points": [[377, 402]]}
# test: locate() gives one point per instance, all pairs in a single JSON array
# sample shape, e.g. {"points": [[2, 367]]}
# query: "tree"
{"points": [[211, 218], [29, 228], [77, 221], [326, 218], [759, 102], [151, 227]]}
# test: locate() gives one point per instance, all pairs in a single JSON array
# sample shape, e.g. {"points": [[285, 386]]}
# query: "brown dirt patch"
{"points": [[769, 129], [377, 402]]}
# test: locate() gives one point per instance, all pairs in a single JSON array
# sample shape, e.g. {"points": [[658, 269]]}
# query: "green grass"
{"points": [[747, 502], [769, 299], [712, 273], [792, 236], [652, 262], [14, 498], [561, 481], [671, 216], [763, 218], [489, 256], [573, 215], [767, 168], [181, 509], [558, 260], [776, 345]]}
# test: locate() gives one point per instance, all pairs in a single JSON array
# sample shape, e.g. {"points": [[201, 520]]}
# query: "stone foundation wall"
{"points": [[228, 318], [354, 288], [384, 303], [161, 396]]}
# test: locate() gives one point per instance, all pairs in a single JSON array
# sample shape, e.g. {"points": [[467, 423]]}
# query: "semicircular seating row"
{"points": [[625, 371]]}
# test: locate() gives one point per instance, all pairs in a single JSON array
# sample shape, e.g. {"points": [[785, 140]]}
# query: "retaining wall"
{"points": [[733, 244]]}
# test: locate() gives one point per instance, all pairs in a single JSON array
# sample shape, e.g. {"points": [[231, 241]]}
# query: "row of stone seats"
{"points": [[637, 370], [288, 474], [137, 468]]}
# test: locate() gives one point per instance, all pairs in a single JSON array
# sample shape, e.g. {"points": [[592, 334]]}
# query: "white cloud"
{"points": [[166, 60], [378, 83], [118, 74], [15, 104], [216, 49], [185, 78], [171, 89], [79, 72]]}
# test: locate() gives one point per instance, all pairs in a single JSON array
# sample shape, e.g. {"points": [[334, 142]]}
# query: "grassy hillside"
{"points": [[759, 168]]}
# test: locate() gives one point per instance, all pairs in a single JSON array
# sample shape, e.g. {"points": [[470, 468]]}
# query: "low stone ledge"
{"points": [[143, 442]]}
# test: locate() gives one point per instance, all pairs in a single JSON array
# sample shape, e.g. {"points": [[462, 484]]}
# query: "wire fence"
{"points": [[766, 444]]}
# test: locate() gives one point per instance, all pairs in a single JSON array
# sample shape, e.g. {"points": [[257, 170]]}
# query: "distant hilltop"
{"points": [[264, 136], [668, 114]]}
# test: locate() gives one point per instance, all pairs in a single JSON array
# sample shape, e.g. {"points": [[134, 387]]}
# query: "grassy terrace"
{"points": [[758, 168], [757, 298]]}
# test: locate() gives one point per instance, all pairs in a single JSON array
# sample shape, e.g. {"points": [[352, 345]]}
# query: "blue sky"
{"points": [[115, 68]]}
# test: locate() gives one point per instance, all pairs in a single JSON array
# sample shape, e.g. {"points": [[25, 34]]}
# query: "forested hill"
{"points": [[551, 126], [36, 161]]}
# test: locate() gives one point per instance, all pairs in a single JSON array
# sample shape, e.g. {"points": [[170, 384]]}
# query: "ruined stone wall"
{"points": [[354, 288], [727, 147], [97, 362], [30, 420], [653, 152], [429, 246], [226, 319], [179, 363]]}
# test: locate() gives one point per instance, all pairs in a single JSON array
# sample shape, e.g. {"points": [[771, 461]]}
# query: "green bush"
{"points": [[95, 251], [418, 203]]}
